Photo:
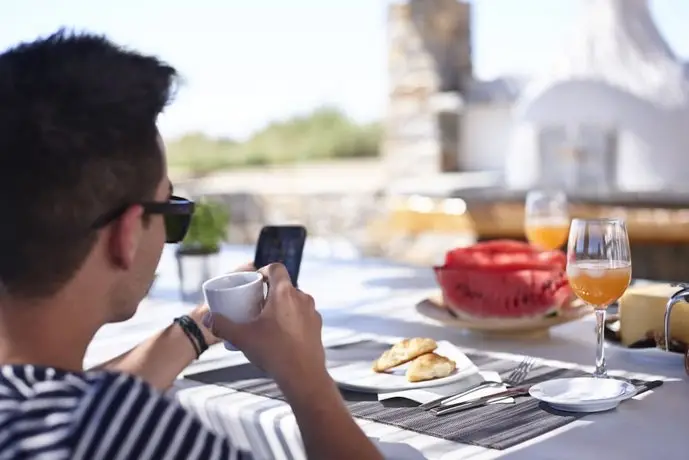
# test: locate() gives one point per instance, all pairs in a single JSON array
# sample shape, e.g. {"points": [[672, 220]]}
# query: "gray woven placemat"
{"points": [[498, 426]]}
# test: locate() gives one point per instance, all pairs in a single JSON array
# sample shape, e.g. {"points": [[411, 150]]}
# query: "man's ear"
{"points": [[125, 236]]}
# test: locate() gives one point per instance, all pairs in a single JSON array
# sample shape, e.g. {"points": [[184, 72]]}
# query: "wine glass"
{"points": [[599, 269], [546, 219]]}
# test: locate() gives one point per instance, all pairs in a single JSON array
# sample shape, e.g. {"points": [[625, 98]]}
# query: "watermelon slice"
{"points": [[504, 279]]}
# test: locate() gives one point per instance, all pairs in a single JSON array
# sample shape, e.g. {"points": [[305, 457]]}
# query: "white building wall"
{"points": [[485, 132], [522, 160], [617, 79], [652, 141]]}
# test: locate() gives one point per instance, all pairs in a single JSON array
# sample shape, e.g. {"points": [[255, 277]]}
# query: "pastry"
{"points": [[430, 366], [403, 352]]}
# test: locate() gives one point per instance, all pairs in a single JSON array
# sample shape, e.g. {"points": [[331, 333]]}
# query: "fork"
{"points": [[516, 377]]}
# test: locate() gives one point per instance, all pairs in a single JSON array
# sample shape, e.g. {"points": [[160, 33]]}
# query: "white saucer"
{"points": [[583, 394]]}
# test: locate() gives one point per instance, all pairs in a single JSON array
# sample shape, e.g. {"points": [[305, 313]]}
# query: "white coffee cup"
{"points": [[238, 296]]}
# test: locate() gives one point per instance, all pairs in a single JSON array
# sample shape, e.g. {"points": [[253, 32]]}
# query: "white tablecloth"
{"points": [[371, 297]]}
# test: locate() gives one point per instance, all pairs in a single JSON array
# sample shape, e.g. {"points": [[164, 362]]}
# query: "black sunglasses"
{"points": [[176, 212]]}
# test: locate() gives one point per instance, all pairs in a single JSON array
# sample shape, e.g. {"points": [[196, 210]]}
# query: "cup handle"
{"points": [[266, 291]]}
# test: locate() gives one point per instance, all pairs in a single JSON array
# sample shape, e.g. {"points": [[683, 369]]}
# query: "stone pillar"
{"points": [[429, 66]]}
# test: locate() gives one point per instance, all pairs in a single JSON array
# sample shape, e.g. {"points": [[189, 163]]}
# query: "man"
{"points": [[87, 208]]}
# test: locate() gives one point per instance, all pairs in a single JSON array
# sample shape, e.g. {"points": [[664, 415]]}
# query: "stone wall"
{"points": [[429, 46], [361, 224], [429, 64], [326, 215]]}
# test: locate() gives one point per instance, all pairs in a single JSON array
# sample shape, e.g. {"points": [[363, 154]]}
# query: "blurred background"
{"points": [[400, 129]]}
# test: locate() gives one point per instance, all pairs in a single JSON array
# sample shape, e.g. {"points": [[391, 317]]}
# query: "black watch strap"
{"points": [[193, 332]]}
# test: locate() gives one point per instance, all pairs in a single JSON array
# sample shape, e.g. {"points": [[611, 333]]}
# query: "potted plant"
{"points": [[199, 250]]}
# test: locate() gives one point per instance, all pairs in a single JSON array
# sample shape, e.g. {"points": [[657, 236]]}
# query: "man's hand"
{"points": [[285, 339]]}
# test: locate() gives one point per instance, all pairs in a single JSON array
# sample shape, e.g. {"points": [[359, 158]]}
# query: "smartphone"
{"points": [[283, 244]]}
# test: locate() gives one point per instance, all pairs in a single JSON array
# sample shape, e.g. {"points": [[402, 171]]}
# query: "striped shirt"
{"points": [[51, 414]]}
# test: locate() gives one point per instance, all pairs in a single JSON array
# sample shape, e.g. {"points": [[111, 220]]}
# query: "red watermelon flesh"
{"points": [[504, 279]]}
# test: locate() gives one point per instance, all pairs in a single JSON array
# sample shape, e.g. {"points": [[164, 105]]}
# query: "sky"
{"points": [[249, 62]]}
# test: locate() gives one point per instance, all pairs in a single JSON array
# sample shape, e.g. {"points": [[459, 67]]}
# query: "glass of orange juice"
{"points": [[546, 219], [599, 269]]}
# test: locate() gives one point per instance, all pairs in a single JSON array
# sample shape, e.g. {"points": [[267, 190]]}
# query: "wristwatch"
{"points": [[193, 332]]}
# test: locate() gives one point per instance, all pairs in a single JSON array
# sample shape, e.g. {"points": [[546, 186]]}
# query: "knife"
{"points": [[478, 402], [446, 399], [647, 386]]}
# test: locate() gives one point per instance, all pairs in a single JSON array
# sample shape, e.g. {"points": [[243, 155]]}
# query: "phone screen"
{"points": [[283, 244]]}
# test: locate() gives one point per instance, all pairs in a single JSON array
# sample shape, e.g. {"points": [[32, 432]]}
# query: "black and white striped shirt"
{"points": [[51, 414]]}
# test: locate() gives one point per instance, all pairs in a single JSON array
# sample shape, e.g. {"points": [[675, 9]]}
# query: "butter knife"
{"points": [[478, 402], [446, 399], [646, 386]]}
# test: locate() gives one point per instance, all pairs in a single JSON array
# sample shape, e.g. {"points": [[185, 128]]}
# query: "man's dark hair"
{"points": [[78, 138]]}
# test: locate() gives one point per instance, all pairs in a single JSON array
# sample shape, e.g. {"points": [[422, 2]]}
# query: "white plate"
{"points": [[583, 394], [357, 374]]}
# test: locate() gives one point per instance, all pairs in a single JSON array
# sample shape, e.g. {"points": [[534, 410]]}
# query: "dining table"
{"points": [[372, 300]]}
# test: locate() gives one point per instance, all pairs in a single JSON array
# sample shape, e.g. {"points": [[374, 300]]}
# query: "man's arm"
{"points": [[327, 428], [162, 357]]}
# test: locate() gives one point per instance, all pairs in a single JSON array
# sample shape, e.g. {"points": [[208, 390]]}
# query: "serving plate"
{"points": [[650, 354], [356, 373], [433, 307]]}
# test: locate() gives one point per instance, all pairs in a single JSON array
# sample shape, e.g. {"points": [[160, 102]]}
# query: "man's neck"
{"points": [[53, 333]]}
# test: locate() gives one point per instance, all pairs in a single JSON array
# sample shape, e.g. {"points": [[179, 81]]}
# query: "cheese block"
{"points": [[642, 309]]}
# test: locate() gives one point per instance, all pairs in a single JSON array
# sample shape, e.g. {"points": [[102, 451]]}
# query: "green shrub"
{"points": [[324, 134], [208, 227]]}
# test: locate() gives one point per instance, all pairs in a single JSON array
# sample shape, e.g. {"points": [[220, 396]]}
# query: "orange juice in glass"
{"points": [[546, 219], [599, 282], [599, 270], [547, 233]]}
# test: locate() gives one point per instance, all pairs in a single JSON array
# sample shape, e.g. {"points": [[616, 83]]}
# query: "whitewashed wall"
{"points": [[653, 141], [485, 132]]}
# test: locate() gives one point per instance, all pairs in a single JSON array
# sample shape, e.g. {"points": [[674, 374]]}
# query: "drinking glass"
{"points": [[546, 219], [599, 269]]}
